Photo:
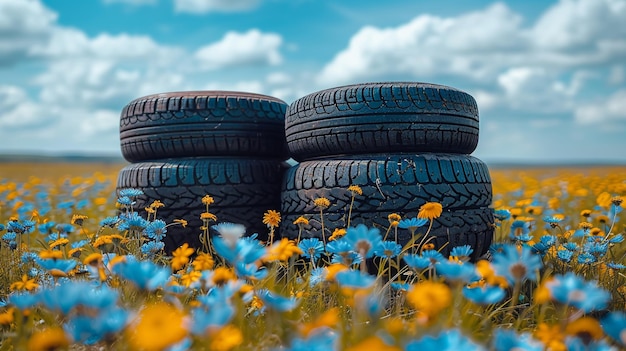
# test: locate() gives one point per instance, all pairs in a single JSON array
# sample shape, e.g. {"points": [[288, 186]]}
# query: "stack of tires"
{"points": [[185, 145], [404, 144]]}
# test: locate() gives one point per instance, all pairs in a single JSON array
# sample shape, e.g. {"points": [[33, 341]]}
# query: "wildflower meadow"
{"points": [[82, 268]]}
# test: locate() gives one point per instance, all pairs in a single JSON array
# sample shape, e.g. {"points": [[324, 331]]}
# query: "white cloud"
{"points": [[237, 49], [250, 86], [485, 100], [603, 112], [577, 82], [11, 96], [72, 43], [278, 78], [517, 80], [537, 89], [18, 110], [205, 6], [481, 45], [87, 80], [575, 25], [508, 140], [23, 23], [429, 46], [77, 83], [100, 121]]}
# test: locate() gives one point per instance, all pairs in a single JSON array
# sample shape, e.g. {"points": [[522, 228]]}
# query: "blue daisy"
{"points": [[311, 248]]}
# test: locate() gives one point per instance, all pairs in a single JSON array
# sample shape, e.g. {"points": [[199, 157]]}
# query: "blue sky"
{"points": [[549, 76]]}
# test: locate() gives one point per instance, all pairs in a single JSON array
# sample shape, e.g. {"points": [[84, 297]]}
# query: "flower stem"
{"points": [[322, 222], [350, 211]]}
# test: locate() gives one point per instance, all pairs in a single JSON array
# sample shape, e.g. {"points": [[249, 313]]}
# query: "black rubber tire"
{"points": [[203, 123], [461, 183], [243, 189], [382, 117]]}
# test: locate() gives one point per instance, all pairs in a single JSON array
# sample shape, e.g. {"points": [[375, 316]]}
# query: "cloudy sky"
{"points": [[549, 76]]}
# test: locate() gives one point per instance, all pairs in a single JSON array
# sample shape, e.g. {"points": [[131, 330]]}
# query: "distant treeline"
{"points": [[62, 159]]}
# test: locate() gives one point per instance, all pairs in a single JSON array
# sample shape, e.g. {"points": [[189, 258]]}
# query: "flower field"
{"points": [[82, 268]]}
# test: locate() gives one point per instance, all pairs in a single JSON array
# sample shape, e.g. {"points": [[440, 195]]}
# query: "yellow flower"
{"points": [[115, 260], [55, 254], [554, 203], [394, 217], [604, 199], [17, 205], [78, 219], [486, 271], [93, 259], [429, 297], [181, 222], [191, 277], [245, 288], [256, 303], [149, 210], [617, 200], [157, 327], [355, 189], [301, 221], [551, 336], [109, 239], [48, 339], [430, 210], [222, 275], [585, 213], [603, 219], [227, 338], [207, 200], [208, 216], [373, 343], [203, 262], [24, 285], [596, 231], [394, 326], [567, 234], [534, 210], [585, 328], [180, 256], [157, 204], [428, 246], [75, 252], [100, 201], [585, 225], [542, 293], [515, 212], [59, 242], [337, 233], [271, 218], [7, 317], [581, 192], [329, 319], [333, 269], [322, 202], [282, 250]]}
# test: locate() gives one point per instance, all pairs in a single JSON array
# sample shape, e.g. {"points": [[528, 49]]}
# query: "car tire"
{"points": [[203, 123], [380, 118]]}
